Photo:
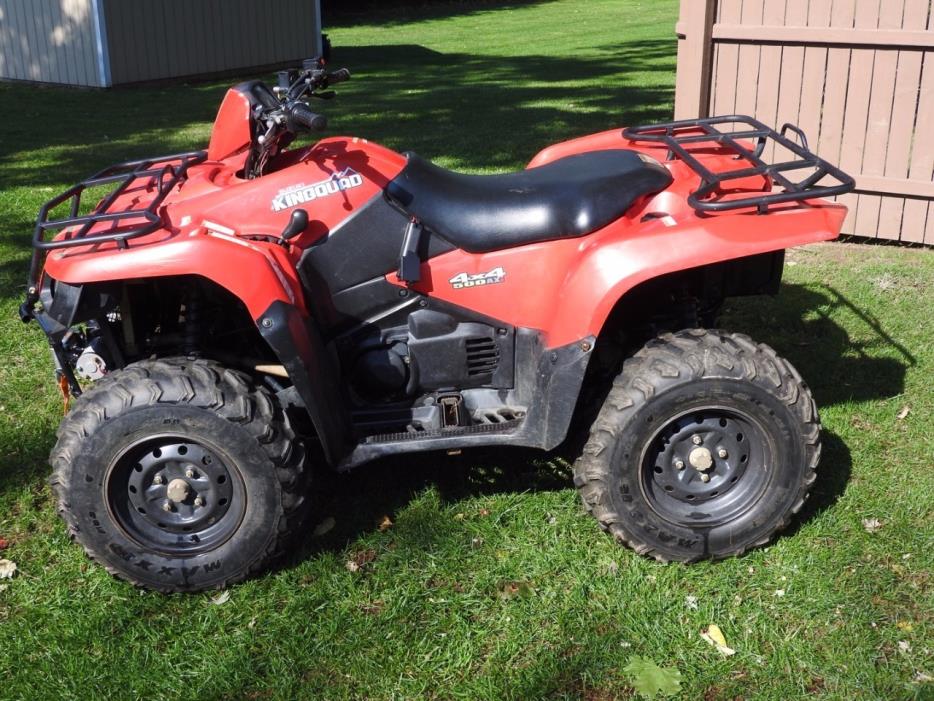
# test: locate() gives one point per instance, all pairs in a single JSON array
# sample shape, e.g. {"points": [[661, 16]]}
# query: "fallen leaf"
{"points": [[510, 590], [713, 635], [904, 625], [779, 592], [476, 542], [484, 512], [872, 524], [372, 608], [7, 569], [360, 559], [4, 543], [904, 645], [923, 678], [385, 523], [648, 679], [691, 602], [323, 527], [903, 414], [221, 598]]}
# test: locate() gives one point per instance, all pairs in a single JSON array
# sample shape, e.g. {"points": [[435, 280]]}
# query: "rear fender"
{"points": [[567, 288], [660, 247]]}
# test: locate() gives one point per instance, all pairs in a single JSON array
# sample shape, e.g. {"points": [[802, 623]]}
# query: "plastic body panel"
{"points": [[215, 223], [567, 288], [231, 132]]}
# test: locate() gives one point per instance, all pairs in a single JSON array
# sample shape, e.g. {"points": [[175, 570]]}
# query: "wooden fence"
{"points": [[856, 75]]}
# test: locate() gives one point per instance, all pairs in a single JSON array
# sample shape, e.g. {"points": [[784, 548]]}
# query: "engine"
{"points": [[433, 352]]}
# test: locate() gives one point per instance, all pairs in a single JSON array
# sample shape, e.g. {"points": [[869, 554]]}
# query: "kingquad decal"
{"points": [[294, 195], [462, 280]]}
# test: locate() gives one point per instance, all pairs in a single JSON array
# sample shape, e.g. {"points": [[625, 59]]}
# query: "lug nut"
{"points": [[199, 501], [166, 505], [704, 477], [723, 454], [157, 479], [190, 473], [679, 464], [696, 440]]}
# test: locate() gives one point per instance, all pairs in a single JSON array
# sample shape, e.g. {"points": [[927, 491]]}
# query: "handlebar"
{"points": [[300, 117], [279, 115], [338, 76]]}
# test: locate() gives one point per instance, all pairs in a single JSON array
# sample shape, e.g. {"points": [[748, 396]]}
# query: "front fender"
{"points": [[258, 274]]}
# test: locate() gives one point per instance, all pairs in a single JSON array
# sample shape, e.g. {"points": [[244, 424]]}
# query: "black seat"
{"points": [[570, 197]]}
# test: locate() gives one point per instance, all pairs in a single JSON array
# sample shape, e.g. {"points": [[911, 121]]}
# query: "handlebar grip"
{"points": [[338, 76], [301, 116]]}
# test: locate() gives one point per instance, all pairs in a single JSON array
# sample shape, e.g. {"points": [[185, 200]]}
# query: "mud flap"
{"points": [[296, 341]]}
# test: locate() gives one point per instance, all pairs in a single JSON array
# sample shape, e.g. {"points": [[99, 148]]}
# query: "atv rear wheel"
{"points": [[179, 475], [706, 445]]}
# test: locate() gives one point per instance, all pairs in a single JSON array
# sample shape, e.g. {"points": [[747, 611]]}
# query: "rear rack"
{"points": [[710, 196], [163, 173]]}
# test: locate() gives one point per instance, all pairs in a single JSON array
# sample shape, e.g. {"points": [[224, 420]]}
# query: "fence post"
{"points": [[695, 58]]}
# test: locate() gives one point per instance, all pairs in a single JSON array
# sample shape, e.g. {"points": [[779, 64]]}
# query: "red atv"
{"points": [[218, 311]]}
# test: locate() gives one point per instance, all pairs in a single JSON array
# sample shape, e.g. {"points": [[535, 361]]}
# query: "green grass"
{"points": [[492, 583]]}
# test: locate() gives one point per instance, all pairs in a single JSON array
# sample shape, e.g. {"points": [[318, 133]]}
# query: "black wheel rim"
{"points": [[175, 495], [706, 466]]}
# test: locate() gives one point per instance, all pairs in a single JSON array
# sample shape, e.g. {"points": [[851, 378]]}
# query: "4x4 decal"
{"points": [[462, 280], [298, 194]]}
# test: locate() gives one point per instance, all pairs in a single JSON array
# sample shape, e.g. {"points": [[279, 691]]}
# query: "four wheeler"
{"points": [[220, 315]]}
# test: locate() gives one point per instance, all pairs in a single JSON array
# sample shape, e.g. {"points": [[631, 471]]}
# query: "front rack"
{"points": [[712, 196], [162, 174]]}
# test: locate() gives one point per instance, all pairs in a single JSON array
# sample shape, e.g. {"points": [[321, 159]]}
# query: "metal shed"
{"points": [[101, 43]]}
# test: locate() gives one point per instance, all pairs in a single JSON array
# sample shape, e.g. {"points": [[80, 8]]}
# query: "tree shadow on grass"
{"points": [[339, 13], [480, 111], [838, 368]]}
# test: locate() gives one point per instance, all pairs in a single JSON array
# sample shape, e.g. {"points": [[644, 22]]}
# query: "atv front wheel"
{"points": [[705, 447], [178, 475]]}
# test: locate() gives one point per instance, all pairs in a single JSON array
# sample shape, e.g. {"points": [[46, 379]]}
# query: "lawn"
{"points": [[486, 579]]}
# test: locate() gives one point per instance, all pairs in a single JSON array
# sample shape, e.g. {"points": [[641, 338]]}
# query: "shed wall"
{"points": [[168, 38], [49, 41]]}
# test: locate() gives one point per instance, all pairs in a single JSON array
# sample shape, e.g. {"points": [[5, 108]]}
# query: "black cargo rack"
{"points": [[709, 197], [163, 173]]}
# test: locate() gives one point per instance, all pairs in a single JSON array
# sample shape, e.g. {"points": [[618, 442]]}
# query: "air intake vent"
{"points": [[482, 356]]}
